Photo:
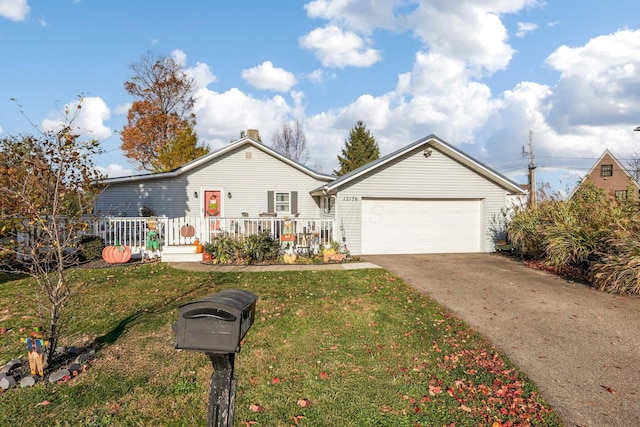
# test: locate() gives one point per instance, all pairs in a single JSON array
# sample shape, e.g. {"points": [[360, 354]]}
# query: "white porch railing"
{"points": [[133, 231]]}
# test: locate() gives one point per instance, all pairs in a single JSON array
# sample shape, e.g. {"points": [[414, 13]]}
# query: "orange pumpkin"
{"points": [[199, 246], [187, 230], [116, 254]]}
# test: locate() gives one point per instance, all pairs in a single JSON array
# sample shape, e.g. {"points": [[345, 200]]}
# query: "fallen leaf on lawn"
{"points": [[433, 390], [386, 408], [304, 403], [44, 403], [275, 380], [465, 408], [254, 407], [609, 389], [250, 423], [297, 418], [324, 375]]}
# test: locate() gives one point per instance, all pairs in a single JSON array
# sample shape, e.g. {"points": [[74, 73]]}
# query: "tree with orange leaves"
{"points": [[159, 134]]}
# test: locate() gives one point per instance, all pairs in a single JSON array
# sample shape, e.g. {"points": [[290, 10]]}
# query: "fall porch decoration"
{"points": [[116, 254]]}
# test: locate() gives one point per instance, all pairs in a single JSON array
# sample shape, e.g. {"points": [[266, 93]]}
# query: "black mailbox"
{"points": [[217, 323]]}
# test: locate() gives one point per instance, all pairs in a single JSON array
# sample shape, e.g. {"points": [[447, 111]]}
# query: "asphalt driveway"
{"points": [[579, 345]]}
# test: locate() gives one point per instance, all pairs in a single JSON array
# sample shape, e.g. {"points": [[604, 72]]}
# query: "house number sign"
{"points": [[350, 198]]}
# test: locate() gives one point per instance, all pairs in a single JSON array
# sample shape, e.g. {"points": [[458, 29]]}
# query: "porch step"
{"points": [[180, 253]]}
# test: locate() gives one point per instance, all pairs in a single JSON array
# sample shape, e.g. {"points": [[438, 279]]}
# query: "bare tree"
{"points": [[633, 164], [291, 141], [47, 184]]}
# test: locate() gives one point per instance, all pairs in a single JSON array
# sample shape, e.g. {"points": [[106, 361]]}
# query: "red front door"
{"points": [[212, 203]]}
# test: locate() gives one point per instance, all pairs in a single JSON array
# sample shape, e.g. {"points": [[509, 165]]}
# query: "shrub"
{"points": [[592, 233], [90, 248], [223, 249], [260, 247]]}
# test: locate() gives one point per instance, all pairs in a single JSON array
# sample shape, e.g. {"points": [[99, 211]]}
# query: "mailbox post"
{"points": [[216, 325]]}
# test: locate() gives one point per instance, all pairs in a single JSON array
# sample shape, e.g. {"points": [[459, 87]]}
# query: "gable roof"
{"points": [[216, 154], [622, 168], [428, 141], [597, 164]]}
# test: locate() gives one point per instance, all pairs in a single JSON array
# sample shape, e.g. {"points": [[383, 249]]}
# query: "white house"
{"points": [[243, 177], [424, 198], [427, 197]]}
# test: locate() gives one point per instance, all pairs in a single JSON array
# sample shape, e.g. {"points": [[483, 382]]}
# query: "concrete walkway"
{"points": [[198, 266]]}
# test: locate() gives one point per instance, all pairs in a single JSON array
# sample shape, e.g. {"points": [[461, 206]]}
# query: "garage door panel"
{"points": [[393, 226]]}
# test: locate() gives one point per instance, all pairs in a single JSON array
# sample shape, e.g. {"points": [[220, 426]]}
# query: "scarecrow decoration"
{"points": [[36, 348], [152, 240]]}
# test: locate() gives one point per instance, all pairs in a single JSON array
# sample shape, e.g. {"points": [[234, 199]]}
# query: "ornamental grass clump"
{"points": [[591, 234]]}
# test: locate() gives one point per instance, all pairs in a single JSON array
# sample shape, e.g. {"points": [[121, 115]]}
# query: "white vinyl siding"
{"points": [[414, 176], [248, 173]]}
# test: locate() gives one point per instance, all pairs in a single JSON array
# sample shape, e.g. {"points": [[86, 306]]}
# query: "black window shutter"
{"points": [[294, 202], [270, 201]]}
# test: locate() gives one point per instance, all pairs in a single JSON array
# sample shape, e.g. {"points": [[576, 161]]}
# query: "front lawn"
{"points": [[330, 348]]}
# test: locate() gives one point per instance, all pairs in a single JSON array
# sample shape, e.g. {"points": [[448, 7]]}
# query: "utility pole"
{"points": [[532, 172]]}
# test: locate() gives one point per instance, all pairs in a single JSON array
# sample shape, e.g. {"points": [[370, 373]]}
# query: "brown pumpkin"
{"points": [[116, 254], [187, 230]]}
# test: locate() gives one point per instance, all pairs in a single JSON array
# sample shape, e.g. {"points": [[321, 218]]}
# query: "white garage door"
{"points": [[391, 226]]}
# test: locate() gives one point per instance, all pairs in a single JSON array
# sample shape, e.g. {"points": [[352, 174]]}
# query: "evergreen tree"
{"points": [[359, 149]]}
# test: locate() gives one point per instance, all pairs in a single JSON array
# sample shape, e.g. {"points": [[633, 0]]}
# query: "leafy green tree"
{"points": [[184, 149], [359, 149], [47, 186], [161, 122]]}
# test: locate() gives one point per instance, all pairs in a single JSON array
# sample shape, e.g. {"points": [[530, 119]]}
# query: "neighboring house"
{"points": [[608, 174], [427, 197], [243, 177]]}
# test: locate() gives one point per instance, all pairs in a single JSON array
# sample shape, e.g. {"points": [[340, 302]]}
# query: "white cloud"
{"points": [[474, 34], [358, 15], [221, 116], [14, 10], [89, 121], [338, 49], [599, 82], [123, 108], [266, 76], [115, 170], [201, 74], [525, 27], [180, 57], [317, 76]]}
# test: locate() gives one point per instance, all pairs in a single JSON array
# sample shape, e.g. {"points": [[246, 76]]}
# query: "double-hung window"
{"points": [[283, 202], [606, 170]]}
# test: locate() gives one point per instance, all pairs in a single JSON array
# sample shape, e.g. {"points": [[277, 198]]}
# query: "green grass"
{"points": [[362, 346]]}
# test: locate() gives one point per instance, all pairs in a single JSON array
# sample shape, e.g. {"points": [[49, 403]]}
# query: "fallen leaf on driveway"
{"points": [[609, 389]]}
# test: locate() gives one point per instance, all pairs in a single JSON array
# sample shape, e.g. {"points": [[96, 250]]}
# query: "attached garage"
{"points": [[428, 197], [409, 226]]}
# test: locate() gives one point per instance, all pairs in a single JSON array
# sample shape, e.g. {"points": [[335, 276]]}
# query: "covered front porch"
{"points": [[172, 239]]}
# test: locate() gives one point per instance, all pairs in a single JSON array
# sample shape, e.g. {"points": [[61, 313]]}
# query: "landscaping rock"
{"points": [[85, 357], [28, 381], [59, 375], [75, 369], [11, 365], [7, 382]]}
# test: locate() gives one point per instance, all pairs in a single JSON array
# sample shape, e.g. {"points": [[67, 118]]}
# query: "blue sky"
{"points": [[478, 74]]}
